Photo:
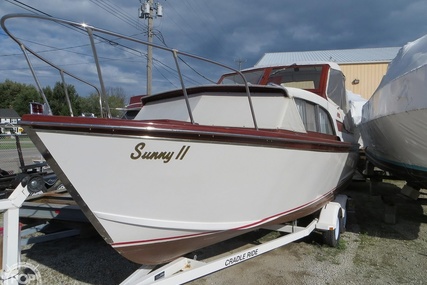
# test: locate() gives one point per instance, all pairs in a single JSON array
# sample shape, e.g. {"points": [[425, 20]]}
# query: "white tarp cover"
{"points": [[410, 57], [356, 103], [403, 88], [394, 119]]}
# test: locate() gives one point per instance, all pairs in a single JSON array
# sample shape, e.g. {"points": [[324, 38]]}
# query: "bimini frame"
{"points": [[90, 30]]}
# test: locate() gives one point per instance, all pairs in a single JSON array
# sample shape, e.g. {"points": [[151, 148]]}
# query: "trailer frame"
{"points": [[331, 222]]}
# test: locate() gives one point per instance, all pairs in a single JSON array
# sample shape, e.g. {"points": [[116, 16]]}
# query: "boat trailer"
{"points": [[331, 222], [183, 269], [22, 203]]}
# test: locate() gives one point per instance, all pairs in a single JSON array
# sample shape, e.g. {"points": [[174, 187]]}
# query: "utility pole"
{"points": [[149, 11], [239, 62]]}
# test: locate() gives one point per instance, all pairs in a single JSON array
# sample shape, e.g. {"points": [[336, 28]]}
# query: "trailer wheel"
{"points": [[343, 219], [332, 237], [343, 224]]}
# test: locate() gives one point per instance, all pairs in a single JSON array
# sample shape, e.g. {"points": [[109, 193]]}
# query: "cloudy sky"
{"points": [[223, 30]]}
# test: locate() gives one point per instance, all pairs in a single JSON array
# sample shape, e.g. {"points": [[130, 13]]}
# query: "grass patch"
{"points": [[342, 245], [8, 142], [330, 254], [366, 243], [365, 240]]}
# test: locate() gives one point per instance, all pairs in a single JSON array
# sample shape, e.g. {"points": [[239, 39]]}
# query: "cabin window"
{"points": [[325, 125], [314, 117], [310, 117], [308, 114]]}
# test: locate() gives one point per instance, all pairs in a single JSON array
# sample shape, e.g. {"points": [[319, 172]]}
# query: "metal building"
{"points": [[363, 68]]}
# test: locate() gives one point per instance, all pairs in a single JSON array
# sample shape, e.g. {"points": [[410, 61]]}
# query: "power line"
{"points": [[105, 40], [202, 16], [27, 7], [183, 21], [117, 12]]}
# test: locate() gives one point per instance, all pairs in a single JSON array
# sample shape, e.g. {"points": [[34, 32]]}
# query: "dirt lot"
{"points": [[370, 252]]}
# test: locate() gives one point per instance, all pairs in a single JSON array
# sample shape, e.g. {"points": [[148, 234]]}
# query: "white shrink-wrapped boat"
{"points": [[202, 164], [393, 126]]}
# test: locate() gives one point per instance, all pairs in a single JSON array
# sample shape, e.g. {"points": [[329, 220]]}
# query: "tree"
{"points": [[22, 101], [116, 99], [57, 99], [8, 91], [17, 96], [90, 104]]}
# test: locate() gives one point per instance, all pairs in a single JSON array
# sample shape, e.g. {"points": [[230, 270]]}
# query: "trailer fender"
{"points": [[331, 223], [343, 201], [329, 215]]}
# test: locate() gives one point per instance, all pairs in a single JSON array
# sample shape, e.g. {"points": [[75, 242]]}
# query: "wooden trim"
{"points": [[186, 131]]}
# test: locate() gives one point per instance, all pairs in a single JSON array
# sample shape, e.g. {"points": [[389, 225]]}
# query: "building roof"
{"points": [[343, 56], [9, 114]]}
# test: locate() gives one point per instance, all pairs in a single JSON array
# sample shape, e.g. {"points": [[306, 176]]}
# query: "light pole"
{"points": [[147, 12]]}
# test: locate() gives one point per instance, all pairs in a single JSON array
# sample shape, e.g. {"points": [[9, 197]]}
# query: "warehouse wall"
{"points": [[368, 74]]}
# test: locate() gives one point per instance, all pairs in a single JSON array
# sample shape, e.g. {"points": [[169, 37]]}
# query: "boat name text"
{"points": [[166, 156], [241, 257]]}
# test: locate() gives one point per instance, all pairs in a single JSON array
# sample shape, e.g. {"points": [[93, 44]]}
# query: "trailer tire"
{"points": [[343, 223], [343, 219], [332, 237]]}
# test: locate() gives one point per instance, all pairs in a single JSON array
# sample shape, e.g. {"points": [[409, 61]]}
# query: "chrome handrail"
{"points": [[89, 30]]}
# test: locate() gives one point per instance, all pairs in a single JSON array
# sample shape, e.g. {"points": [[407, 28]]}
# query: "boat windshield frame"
{"points": [[253, 76], [319, 78]]}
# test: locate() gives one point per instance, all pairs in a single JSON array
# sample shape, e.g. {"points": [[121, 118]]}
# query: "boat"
{"points": [[202, 164], [131, 110], [393, 120]]}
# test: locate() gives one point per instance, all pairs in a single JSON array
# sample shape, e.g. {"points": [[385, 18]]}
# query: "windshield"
{"points": [[298, 77], [253, 77]]}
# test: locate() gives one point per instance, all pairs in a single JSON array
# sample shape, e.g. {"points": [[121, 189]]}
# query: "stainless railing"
{"points": [[102, 92]]}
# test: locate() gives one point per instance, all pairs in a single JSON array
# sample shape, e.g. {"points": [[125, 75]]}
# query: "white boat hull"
{"points": [[180, 195]]}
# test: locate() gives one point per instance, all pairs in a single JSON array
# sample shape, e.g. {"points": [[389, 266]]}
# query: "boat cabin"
{"points": [[323, 79]]}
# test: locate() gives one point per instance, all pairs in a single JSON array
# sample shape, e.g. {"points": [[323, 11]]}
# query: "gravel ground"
{"points": [[370, 251]]}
